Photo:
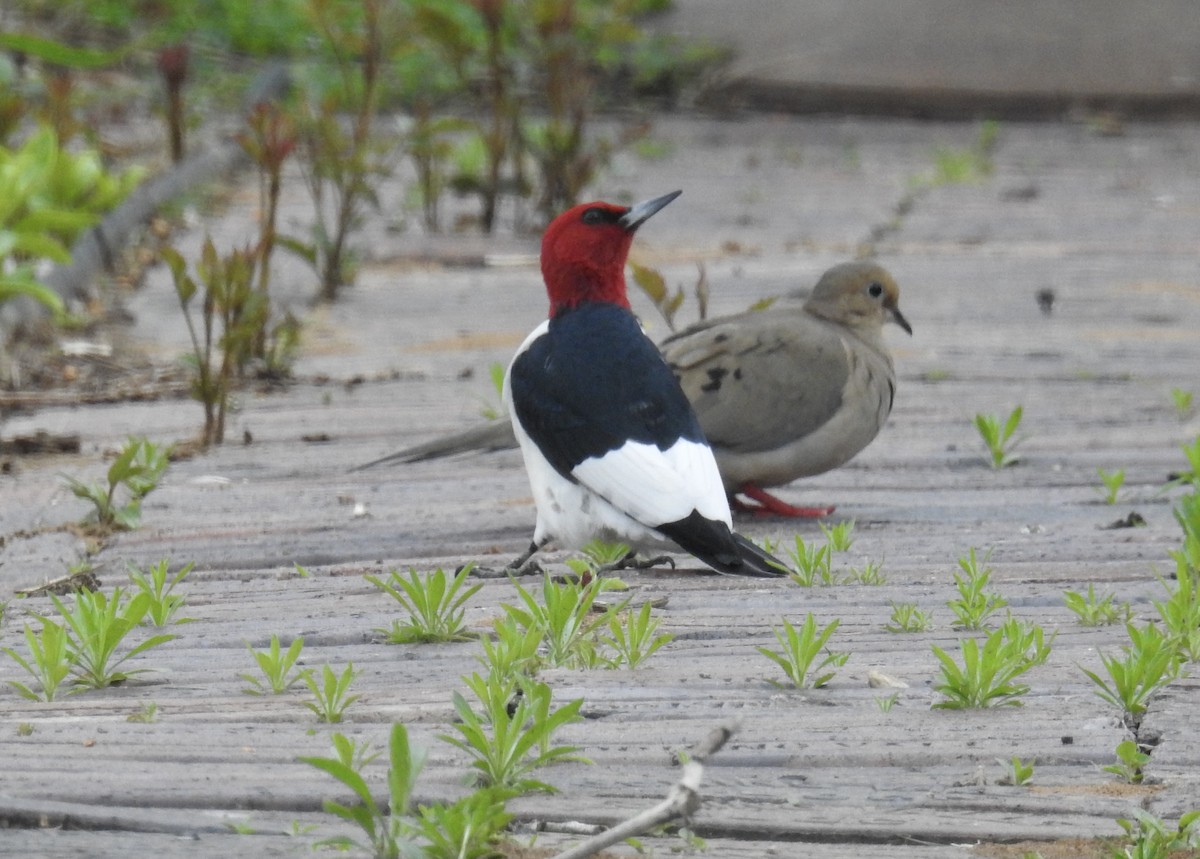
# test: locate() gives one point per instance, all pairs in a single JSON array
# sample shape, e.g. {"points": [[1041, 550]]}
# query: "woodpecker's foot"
{"points": [[633, 562], [769, 505]]}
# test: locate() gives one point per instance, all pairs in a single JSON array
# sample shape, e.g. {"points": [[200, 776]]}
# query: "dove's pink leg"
{"points": [[768, 505]]}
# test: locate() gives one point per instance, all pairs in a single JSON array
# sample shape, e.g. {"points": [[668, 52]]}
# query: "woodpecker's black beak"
{"points": [[641, 212]]}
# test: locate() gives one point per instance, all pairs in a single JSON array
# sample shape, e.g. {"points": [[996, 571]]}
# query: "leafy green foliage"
{"points": [[466, 829], [799, 652], [1148, 837], [1093, 610], [598, 556], [972, 164], [97, 628], [48, 196], [1112, 481], [137, 469], [49, 661], [331, 694], [1019, 773], [564, 620], [511, 735], [909, 617], [999, 437], [1148, 663], [434, 603], [1180, 612], [164, 602], [1182, 400], [276, 665], [812, 563], [1131, 763], [388, 833], [632, 636], [988, 673], [974, 605]]}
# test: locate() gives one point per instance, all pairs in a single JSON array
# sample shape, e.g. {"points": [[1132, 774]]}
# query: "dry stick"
{"points": [[682, 800]]}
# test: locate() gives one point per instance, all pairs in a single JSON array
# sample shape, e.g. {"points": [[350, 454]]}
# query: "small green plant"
{"points": [[514, 650], [331, 694], [1112, 481], [136, 470], [387, 831], [146, 715], [434, 603], [49, 661], [840, 537], [909, 617], [512, 734], [1131, 763], [164, 603], [811, 564], [870, 573], [276, 665], [1180, 612], [467, 829], [974, 605], [632, 636], [999, 437], [988, 674], [565, 621], [1148, 837], [98, 626], [496, 372], [1148, 663], [800, 650], [1018, 774], [886, 703], [1183, 402], [1093, 610], [598, 556], [971, 164]]}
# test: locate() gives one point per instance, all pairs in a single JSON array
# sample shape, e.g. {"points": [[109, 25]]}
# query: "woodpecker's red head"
{"points": [[584, 251]]}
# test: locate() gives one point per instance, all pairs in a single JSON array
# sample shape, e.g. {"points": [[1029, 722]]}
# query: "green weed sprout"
{"points": [[387, 833], [1180, 612], [331, 695], [511, 735], [632, 636], [276, 665], [811, 563], [434, 603], [1183, 402], [49, 661], [799, 652], [496, 372], [1151, 838], [137, 468], [1149, 663], [164, 603], [974, 605], [1131, 763], [98, 626], [565, 621], [1019, 773], [1093, 610], [598, 555], [909, 617], [988, 673], [1112, 481], [999, 437]]}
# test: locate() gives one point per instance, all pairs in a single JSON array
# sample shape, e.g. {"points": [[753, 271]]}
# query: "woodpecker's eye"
{"points": [[594, 216], [875, 289]]}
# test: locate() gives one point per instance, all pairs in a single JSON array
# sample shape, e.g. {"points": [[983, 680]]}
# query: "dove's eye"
{"points": [[875, 289]]}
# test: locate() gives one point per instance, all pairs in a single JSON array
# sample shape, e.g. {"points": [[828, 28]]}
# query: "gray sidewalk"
{"points": [[949, 58]]}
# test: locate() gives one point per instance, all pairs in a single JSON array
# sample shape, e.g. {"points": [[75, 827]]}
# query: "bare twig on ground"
{"points": [[682, 800]]}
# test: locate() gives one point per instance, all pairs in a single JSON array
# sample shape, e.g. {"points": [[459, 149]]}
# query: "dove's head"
{"points": [[859, 294], [584, 251]]}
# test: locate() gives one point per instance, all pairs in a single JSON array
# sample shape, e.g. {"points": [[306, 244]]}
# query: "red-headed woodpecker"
{"points": [[611, 444]]}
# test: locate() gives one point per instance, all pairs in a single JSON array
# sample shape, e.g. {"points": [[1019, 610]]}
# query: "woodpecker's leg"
{"points": [[633, 562], [769, 505], [517, 565]]}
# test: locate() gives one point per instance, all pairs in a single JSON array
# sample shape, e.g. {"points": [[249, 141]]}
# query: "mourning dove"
{"points": [[789, 391], [796, 389]]}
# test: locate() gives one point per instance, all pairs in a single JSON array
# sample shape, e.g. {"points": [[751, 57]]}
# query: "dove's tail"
{"points": [[496, 435]]}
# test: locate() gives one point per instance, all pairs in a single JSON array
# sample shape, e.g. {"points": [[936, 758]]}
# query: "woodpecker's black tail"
{"points": [[724, 550]]}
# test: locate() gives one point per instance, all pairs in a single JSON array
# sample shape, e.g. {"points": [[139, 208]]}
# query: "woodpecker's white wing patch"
{"points": [[654, 486]]}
